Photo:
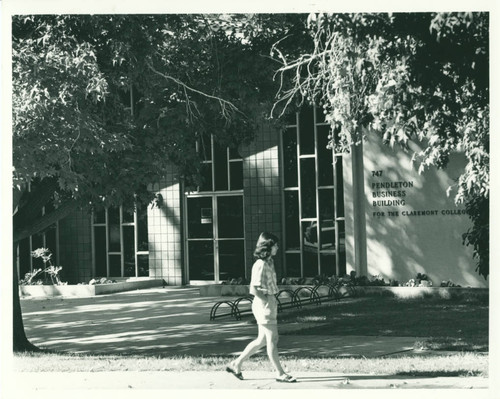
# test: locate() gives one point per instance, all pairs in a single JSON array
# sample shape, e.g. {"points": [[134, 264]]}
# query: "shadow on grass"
{"points": [[435, 374], [457, 324], [165, 323], [454, 344]]}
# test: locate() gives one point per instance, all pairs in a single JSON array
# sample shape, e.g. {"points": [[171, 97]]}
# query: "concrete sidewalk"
{"points": [[166, 321], [169, 321], [222, 381]]}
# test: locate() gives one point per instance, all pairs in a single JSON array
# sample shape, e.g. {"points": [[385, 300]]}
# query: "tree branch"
{"points": [[303, 86], [223, 103], [45, 221], [17, 194], [31, 203]]}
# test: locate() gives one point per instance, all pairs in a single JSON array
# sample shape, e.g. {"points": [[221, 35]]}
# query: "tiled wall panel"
{"points": [[75, 248], [262, 193], [165, 232]]}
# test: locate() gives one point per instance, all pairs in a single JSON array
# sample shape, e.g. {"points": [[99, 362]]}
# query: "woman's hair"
{"points": [[264, 245]]}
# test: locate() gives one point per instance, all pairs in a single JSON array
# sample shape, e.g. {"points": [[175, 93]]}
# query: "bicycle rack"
{"points": [[333, 293], [216, 307], [295, 301], [313, 296], [237, 312]]}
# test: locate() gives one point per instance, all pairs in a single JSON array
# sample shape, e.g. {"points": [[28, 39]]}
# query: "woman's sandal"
{"points": [[286, 378], [239, 376]]}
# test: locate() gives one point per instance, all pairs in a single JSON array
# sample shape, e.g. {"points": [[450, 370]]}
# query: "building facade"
{"points": [[367, 211]]}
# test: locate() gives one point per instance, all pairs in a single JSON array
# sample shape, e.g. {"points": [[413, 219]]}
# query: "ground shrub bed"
{"points": [[443, 324]]}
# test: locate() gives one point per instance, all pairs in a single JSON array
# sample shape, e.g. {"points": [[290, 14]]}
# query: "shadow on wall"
{"points": [[75, 255], [412, 224], [164, 231], [262, 207], [262, 192]]}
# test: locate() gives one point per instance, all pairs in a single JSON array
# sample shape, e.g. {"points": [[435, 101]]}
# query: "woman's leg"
{"points": [[271, 333], [252, 348]]}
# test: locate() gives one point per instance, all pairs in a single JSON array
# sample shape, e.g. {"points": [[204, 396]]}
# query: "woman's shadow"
{"points": [[340, 378]]}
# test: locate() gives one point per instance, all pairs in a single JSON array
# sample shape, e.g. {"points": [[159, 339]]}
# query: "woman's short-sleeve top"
{"points": [[264, 276]]}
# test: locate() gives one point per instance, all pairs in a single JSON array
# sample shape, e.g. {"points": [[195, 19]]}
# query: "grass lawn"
{"points": [[458, 364], [436, 323]]}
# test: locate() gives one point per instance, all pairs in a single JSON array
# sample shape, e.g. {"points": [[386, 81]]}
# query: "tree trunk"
{"points": [[17, 194], [26, 223], [21, 342]]}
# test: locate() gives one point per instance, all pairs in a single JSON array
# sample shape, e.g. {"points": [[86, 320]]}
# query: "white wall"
{"points": [[400, 244]]}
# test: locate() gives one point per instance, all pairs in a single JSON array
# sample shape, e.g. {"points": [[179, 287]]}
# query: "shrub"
{"points": [[100, 280], [49, 268]]}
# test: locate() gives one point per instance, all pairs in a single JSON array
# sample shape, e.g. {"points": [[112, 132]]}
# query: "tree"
{"points": [[93, 94], [75, 77], [411, 76], [72, 111]]}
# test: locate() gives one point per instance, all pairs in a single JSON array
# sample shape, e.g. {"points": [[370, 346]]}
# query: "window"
{"points": [[120, 242], [222, 166], [314, 232], [49, 238]]}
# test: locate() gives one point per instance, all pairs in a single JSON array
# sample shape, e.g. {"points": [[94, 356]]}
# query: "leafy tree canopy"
{"points": [[407, 76], [92, 95], [102, 104]]}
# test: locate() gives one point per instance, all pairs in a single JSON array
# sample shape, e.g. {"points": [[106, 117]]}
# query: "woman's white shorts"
{"points": [[265, 312]]}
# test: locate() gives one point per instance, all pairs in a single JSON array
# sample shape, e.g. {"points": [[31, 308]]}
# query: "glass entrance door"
{"points": [[215, 238]]}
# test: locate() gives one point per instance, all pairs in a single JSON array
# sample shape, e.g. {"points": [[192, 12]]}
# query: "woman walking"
{"points": [[264, 308]]}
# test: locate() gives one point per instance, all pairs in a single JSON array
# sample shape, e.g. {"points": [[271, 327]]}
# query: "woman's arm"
{"points": [[256, 281], [258, 292]]}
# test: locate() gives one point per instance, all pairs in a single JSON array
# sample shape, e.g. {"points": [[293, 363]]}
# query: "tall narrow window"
{"points": [[46, 239], [120, 238], [222, 167], [314, 236]]}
